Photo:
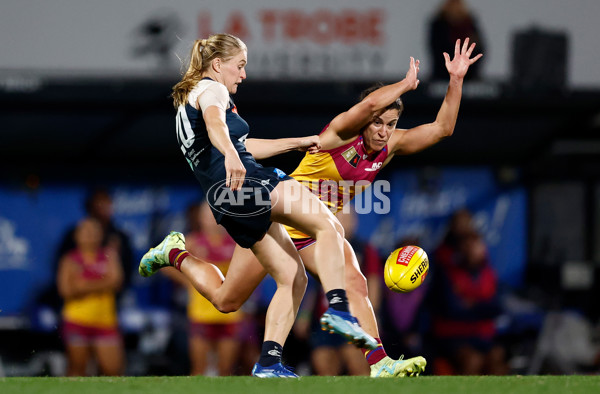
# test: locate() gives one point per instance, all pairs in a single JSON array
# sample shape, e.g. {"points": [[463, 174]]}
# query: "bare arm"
{"points": [[72, 285], [348, 124], [218, 133], [409, 141], [265, 148], [67, 276]]}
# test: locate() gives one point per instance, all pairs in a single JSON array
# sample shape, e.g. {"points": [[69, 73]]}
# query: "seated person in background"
{"points": [[465, 304], [209, 329], [89, 276]]}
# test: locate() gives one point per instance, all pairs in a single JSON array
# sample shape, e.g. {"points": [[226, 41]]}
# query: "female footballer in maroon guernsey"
{"points": [[354, 147]]}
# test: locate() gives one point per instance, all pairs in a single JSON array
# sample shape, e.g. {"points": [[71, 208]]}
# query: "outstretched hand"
{"points": [[458, 66], [411, 74]]}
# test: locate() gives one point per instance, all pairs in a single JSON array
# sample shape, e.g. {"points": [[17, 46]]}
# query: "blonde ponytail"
{"points": [[224, 46]]}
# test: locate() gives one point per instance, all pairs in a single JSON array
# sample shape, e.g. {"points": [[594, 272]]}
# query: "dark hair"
{"points": [[397, 105]]}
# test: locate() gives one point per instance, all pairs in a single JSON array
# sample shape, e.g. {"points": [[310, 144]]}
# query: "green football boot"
{"points": [[158, 257], [389, 368]]}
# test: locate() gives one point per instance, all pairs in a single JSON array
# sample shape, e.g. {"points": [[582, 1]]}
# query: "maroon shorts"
{"points": [[79, 335], [302, 243], [215, 332]]}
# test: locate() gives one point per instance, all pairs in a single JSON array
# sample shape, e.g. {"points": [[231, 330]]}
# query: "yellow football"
{"points": [[406, 268]]}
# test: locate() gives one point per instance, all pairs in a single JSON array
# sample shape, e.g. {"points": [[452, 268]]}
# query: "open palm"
{"points": [[458, 66]]}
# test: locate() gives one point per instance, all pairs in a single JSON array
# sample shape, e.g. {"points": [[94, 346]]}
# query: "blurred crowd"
{"points": [[462, 319], [457, 319]]}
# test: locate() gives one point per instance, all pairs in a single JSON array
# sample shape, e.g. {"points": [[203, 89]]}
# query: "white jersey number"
{"points": [[185, 134]]}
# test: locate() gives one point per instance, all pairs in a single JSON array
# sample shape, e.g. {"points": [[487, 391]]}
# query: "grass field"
{"points": [[312, 385]]}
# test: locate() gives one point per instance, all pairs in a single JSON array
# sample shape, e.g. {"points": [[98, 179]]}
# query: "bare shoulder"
{"points": [[332, 137]]}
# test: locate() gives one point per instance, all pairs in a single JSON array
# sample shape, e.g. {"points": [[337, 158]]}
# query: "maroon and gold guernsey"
{"points": [[98, 309], [337, 175]]}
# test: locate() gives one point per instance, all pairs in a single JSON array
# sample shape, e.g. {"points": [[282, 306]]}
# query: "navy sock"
{"points": [[270, 353], [338, 300]]}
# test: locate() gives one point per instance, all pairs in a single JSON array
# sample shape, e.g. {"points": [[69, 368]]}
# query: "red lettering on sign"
{"points": [[293, 25], [323, 26], [268, 19], [236, 25], [374, 20], [204, 24], [349, 26]]}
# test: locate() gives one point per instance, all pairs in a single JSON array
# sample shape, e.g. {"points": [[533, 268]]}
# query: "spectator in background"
{"points": [[331, 355], [99, 206], [461, 225], [89, 276], [451, 22], [464, 307], [209, 329]]}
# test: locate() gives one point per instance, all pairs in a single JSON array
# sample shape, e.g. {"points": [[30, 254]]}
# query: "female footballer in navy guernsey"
{"points": [[251, 202]]}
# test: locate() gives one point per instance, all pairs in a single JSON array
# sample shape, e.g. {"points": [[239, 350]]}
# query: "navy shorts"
{"points": [[246, 213]]}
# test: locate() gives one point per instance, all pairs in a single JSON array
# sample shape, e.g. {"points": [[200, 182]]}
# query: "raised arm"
{"points": [[348, 124], [265, 148], [409, 141]]}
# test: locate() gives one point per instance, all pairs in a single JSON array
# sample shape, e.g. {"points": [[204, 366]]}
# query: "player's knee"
{"points": [[228, 306], [300, 281], [333, 228], [339, 228]]}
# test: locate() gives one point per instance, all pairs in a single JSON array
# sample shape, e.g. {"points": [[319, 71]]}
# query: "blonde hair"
{"points": [[223, 46]]}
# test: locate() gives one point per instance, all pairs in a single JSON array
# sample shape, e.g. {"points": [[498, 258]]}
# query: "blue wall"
{"points": [[33, 223]]}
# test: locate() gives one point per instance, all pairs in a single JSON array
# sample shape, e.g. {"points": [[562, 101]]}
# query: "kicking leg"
{"points": [[226, 294], [299, 208]]}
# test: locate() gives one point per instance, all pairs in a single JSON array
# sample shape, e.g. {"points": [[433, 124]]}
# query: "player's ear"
{"points": [[216, 64]]}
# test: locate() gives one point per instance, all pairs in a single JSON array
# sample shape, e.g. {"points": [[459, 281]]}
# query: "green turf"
{"points": [[311, 385]]}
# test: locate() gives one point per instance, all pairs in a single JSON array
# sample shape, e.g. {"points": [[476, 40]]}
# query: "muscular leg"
{"points": [[356, 287], [245, 272], [226, 294], [299, 208], [277, 254]]}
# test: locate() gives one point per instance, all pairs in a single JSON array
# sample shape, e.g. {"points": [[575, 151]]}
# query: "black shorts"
{"points": [[246, 213]]}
